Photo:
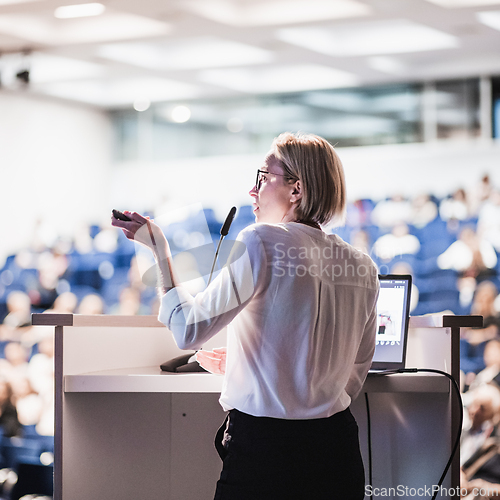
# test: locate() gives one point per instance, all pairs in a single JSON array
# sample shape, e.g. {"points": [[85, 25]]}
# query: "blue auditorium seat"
{"points": [[434, 239], [344, 232], [18, 450], [440, 280]]}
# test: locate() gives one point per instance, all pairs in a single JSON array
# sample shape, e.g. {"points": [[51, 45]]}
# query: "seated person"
{"points": [[473, 341], [405, 268], [484, 305], [360, 240], [424, 210], [398, 242], [470, 255], [455, 207], [488, 222], [388, 213], [482, 417], [19, 307], [9, 422], [91, 304], [491, 372]]}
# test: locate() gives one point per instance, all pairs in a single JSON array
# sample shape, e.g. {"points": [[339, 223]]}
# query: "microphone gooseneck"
{"points": [[223, 232]]}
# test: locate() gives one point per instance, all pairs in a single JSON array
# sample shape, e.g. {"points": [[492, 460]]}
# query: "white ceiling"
{"points": [[174, 50]]}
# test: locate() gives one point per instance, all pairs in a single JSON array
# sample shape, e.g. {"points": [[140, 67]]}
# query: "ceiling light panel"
{"points": [[46, 29], [79, 10], [279, 78], [118, 93], [46, 68], [387, 65], [201, 52], [455, 4], [13, 2], [378, 37], [491, 19], [281, 12]]}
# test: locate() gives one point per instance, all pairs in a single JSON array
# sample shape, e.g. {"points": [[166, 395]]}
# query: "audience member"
{"points": [[455, 207], [52, 266], [360, 240], [28, 403], [488, 221], [41, 378], [14, 365], [64, 303], [82, 240], [91, 304], [484, 305], [482, 416], [424, 210], [473, 341], [405, 268], [9, 422], [388, 213], [480, 194], [19, 310], [398, 242], [480, 454], [491, 372], [138, 266], [106, 240], [129, 303], [470, 255]]}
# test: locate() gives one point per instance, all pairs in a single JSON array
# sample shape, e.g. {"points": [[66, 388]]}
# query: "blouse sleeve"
{"points": [[365, 354], [194, 320]]}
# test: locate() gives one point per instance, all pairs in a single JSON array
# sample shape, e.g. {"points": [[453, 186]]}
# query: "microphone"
{"points": [[227, 223], [223, 232]]}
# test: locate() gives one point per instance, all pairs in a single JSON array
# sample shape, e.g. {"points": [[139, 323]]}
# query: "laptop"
{"points": [[393, 317]]}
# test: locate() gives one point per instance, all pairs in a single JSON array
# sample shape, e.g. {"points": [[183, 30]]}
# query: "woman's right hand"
{"points": [[213, 361], [137, 230]]}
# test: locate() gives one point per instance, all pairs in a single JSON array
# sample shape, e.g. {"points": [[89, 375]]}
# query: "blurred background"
{"points": [[168, 108]]}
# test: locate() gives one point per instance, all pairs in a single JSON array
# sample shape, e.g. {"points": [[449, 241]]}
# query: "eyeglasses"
{"points": [[258, 181]]}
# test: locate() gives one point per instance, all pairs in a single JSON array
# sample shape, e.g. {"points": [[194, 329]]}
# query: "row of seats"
{"points": [[106, 273]]}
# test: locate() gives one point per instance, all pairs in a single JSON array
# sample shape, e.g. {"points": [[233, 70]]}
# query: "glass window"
{"points": [[457, 112], [496, 107], [384, 114]]}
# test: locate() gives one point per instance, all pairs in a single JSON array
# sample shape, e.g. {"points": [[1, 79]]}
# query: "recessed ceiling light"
{"points": [[46, 68], [378, 37], [491, 18], [180, 114], [79, 10], [120, 93], [47, 30], [279, 78], [13, 2], [271, 13], [386, 65], [198, 52], [142, 104], [454, 4], [235, 125]]}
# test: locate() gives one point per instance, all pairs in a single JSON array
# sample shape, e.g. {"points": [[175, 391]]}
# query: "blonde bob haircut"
{"points": [[313, 161]]}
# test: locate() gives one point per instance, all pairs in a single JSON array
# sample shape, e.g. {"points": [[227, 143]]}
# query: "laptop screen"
{"points": [[393, 312]]}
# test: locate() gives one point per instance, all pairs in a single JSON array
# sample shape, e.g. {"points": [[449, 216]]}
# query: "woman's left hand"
{"points": [[213, 361]]}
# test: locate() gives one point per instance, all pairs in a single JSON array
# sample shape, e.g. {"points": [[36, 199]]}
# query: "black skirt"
{"points": [[274, 459]]}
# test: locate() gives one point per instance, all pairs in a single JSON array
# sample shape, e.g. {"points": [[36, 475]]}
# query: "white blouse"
{"points": [[300, 306]]}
